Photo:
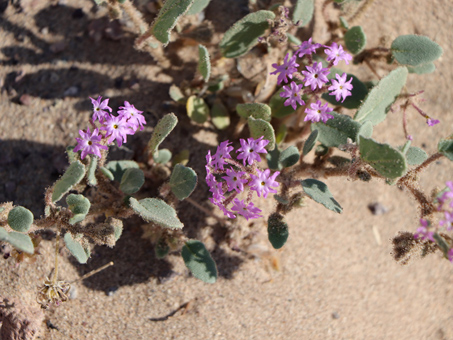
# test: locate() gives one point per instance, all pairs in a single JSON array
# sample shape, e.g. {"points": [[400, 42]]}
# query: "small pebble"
{"points": [[335, 315], [111, 290], [73, 293], [377, 208], [25, 99]]}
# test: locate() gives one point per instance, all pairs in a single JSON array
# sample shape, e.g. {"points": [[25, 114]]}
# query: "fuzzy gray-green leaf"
{"points": [[277, 230], [197, 6], [169, 14], [107, 173], [445, 147], [355, 39], [310, 142], [132, 181], [337, 130], [161, 131], [415, 50], [72, 156], [416, 156], [244, 34], [76, 248], [199, 261], [197, 110], [91, 178], [422, 69], [183, 181], [365, 130], [72, 176], [157, 211], [386, 160], [255, 110], [117, 168], [320, 193], [19, 241], [378, 101], [162, 156], [289, 156], [204, 62], [79, 205], [259, 127], [303, 12], [272, 158], [20, 219]]}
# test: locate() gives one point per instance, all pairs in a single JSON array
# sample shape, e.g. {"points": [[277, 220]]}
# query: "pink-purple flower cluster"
{"points": [[445, 206], [128, 121], [227, 178], [314, 78]]}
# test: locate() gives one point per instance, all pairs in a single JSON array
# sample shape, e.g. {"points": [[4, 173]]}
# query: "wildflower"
{"points": [[316, 76], [432, 122], [340, 87], [225, 211], [250, 149], [223, 151], [286, 69], [307, 48], [133, 116], [448, 221], [293, 94], [423, 232], [450, 255], [263, 184], [117, 128], [234, 180], [248, 211], [335, 53], [318, 112], [99, 107], [446, 195], [89, 143]]}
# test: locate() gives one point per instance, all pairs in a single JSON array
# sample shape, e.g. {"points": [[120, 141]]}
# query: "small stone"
{"points": [[335, 315], [25, 99], [58, 47], [71, 92], [45, 30], [72, 293], [111, 290], [377, 208]]}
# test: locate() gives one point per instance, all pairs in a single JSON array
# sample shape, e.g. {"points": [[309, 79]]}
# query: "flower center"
{"points": [[90, 142], [115, 126]]}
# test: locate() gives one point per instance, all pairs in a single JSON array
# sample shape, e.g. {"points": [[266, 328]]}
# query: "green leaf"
{"points": [[379, 99], [255, 110], [244, 34], [365, 130], [162, 156], [81, 254], [161, 131], [167, 18], [422, 69], [310, 142], [183, 181], [303, 12], [161, 248], [181, 158], [277, 230], [416, 156], [197, 110], [443, 245], [320, 193], [276, 103], [73, 175], [199, 261], [91, 178], [19, 241], [132, 181], [272, 158], [289, 156], [355, 39], [292, 39], [358, 92], [259, 127], [337, 130], [107, 173], [157, 211], [344, 23], [198, 6], [219, 115], [79, 205], [415, 50], [281, 134], [386, 160], [117, 168], [176, 94], [72, 156], [445, 147], [204, 63], [20, 219]]}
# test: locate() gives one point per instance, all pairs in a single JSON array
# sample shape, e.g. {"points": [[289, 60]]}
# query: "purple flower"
{"points": [[340, 87], [448, 221], [286, 69], [225, 211], [234, 180], [423, 232], [336, 53], [307, 48], [99, 107], [450, 255], [133, 116], [89, 143], [216, 189], [293, 94], [432, 122], [316, 76], [262, 183], [318, 112], [248, 211], [250, 149], [117, 128], [447, 195], [223, 151]]}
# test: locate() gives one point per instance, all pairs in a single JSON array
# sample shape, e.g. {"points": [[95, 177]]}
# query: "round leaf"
{"points": [[162, 156], [277, 230], [320, 193], [289, 156], [422, 69], [132, 181], [336, 131], [355, 39], [219, 115], [255, 110], [415, 50], [276, 103], [183, 181], [259, 127], [20, 219], [197, 110], [199, 261], [303, 12], [19, 241], [445, 147], [157, 211], [416, 156], [79, 205], [117, 168]]}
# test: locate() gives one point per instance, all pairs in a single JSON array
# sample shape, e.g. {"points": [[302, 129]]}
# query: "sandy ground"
{"points": [[334, 279]]}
